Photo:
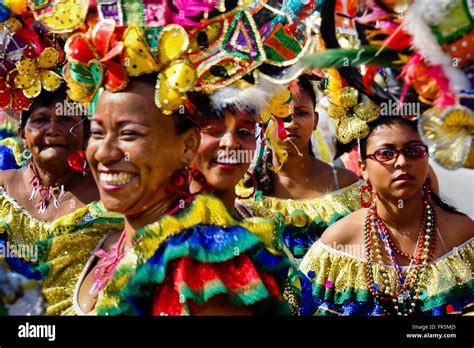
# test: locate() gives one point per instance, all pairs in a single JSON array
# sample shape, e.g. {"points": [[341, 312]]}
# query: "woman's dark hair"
{"points": [[264, 176], [183, 118], [305, 85], [45, 99], [204, 111], [387, 120]]}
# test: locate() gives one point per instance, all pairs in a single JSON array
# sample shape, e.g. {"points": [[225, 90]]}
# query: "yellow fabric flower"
{"points": [[449, 134], [352, 117], [280, 105], [35, 74]]}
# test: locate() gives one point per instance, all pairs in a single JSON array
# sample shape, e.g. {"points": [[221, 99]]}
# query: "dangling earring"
{"points": [[178, 180], [369, 189], [254, 185], [427, 189], [26, 154], [78, 162], [196, 175]]}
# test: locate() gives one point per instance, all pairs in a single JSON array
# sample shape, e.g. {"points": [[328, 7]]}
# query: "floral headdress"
{"points": [[30, 57], [191, 45], [242, 53]]}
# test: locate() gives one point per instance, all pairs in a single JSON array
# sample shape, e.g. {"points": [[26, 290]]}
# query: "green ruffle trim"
{"points": [[216, 287], [150, 273], [3, 310], [362, 295], [455, 293]]}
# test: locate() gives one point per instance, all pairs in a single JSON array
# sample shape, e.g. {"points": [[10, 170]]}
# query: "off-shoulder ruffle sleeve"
{"points": [[336, 283]]}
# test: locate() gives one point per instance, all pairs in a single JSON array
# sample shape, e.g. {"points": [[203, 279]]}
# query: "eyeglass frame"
{"points": [[397, 151]]}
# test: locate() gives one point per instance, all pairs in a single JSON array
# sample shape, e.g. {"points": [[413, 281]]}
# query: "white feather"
{"points": [[424, 41], [256, 97]]}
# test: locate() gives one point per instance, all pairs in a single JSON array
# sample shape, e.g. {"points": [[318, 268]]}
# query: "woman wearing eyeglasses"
{"points": [[406, 252]]}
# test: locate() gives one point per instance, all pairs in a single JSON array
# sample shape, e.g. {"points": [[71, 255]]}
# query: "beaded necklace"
{"points": [[404, 301], [47, 193]]}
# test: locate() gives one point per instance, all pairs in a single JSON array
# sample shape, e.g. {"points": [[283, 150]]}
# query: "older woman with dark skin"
{"points": [[138, 157], [49, 203], [407, 253], [50, 139]]}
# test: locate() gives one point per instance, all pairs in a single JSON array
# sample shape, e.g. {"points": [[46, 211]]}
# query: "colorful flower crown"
{"points": [[30, 57], [190, 45], [241, 52]]}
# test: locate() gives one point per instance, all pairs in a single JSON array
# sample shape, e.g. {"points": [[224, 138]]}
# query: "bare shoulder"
{"points": [[348, 230], [346, 177], [8, 177], [455, 228]]}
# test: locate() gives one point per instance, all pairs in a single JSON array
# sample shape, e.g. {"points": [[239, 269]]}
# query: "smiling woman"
{"points": [[133, 152], [228, 143], [138, 157], [49, 205]]}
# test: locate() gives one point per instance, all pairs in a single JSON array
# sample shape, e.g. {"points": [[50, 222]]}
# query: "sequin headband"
{"points": [[225, 47]]}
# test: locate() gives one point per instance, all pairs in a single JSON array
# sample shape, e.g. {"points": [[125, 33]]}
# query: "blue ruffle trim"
{"points": [[204, 243], [356, 308], [315, 305], [300, 239], [7, 159], [6, 134]]}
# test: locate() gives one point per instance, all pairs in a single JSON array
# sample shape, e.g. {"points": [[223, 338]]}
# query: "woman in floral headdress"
{"points": [[178, 254], [48, 206]]}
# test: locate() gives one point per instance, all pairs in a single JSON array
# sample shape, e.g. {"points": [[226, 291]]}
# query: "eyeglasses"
{"points": [[413, 151]]}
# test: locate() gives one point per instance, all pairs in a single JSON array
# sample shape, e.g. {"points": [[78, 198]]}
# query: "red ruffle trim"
{"points": [[235, 274]]}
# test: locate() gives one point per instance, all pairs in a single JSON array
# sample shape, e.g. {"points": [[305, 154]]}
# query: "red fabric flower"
{"points": [[104, 45]]}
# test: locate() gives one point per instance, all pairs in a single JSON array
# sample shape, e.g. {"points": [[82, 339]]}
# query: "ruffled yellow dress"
{"points": [[305, 220], [53, 253], [335, 283]]}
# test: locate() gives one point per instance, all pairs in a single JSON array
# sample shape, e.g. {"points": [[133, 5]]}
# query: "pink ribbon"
{"points": [[108, 263]]}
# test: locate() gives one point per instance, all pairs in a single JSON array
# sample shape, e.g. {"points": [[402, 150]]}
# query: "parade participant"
{"points": [[176, 256], [228, 144], [48, 206], [308, 194], [138, 162], [397, 255]]}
